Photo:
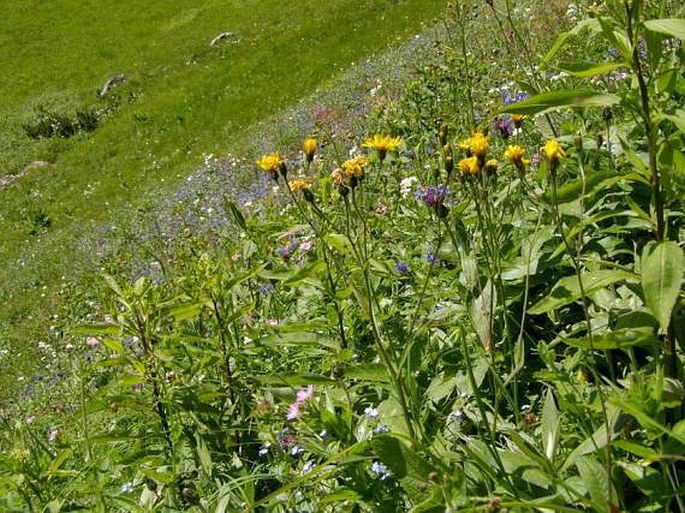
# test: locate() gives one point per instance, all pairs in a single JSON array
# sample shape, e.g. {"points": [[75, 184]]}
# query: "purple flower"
{"points": [[432, 258], [286, 251], [266, 289], [52, 434], [503, 127], [514, 98], [432, 195], [381, 429], [614, 53], [402, 268], [380, 470]]}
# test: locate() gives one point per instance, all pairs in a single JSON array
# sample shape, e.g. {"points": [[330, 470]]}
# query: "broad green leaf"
{"points": [[546, 102], [663, 265], [549, 423], [639, 450], [589, 69], [567, 289], [674, 27], [616, 339]]}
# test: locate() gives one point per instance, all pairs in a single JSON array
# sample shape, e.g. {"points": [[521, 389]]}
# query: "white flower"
{"points": [[407, 186]]}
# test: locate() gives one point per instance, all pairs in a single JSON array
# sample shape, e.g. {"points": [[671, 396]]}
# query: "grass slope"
{"points": [[183, 99]]}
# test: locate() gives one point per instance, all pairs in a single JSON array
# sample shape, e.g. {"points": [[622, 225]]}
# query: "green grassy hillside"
{"points": [[182, 99]]}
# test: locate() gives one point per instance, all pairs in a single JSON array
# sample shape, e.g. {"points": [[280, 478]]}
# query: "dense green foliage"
{"points": [[476, 306]]}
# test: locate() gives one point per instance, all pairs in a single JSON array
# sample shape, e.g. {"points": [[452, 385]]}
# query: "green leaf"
{"points": [[546, 102], [369, 372], [294, 380], [593, 183], [105, 328], [673, 27], [236, 213], [589, 69], [298, 339], [340, 243], [646, 479], [590, 23], [549, 423], [596, 481], [567, 289], [616, 339], [663, 265]]}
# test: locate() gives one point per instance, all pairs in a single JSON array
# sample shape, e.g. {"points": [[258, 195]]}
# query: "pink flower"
{"points": [[293, 411], [52, 434], [304, 395]]}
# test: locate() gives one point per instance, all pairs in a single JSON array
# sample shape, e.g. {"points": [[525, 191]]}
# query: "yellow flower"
{"points": [[469, 166], [383, 144], [338, 177], [270, 162], [515, 153], [553, 152], [476, 145], [354, 168], [309, 145], [491, 165], [301, 183], [518, 119]]}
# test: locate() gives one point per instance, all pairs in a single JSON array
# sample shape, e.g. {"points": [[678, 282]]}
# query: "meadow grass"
{"points": [[183, 99]]}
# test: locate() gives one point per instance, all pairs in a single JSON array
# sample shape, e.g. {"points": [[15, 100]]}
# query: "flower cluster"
{"points": [[301, 397]]}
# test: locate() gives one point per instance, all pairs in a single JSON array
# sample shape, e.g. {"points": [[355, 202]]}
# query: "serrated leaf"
{"points": [[674, 27], [546, 102], [616, 339], [663, 265], [567, 289]]}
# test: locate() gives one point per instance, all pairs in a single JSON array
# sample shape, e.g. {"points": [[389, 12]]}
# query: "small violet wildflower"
{"points": [[381, 429], [127, 487], [402, 268], [370, 412], [432, 195], [52, 434], [380, 470]]}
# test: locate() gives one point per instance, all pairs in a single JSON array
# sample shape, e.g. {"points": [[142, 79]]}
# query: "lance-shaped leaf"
{"points": [[674, 27], [554, 100]]}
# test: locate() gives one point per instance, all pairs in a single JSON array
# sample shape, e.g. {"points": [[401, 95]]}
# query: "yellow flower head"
{"points": [[354, 168], [270, 163], [553, 152], [515, 153], [383, 144], [518, 119], [301, 183], [469, 166], [338, 177], [491, 165], [309, 146], [476, 145]]}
